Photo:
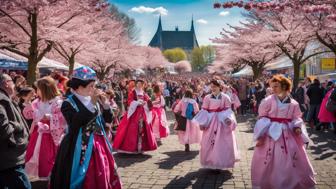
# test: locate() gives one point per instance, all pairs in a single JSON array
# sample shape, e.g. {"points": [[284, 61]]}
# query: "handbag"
{"points": [[181, 122]]}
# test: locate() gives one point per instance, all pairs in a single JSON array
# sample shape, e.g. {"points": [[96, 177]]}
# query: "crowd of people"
{"points": [[64, 130]]}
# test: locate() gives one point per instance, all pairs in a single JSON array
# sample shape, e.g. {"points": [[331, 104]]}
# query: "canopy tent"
{"points": [[13, 64], [139, 71], [48, 63], [246, 71], [279, 64], [11, 61]]}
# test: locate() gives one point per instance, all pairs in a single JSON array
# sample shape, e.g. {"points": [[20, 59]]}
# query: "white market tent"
{"points": [[9, 57], [246, 71], [48, 63], [279, 64]]}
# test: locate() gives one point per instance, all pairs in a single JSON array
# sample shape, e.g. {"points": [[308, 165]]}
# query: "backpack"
{"points": [[190, 111]]}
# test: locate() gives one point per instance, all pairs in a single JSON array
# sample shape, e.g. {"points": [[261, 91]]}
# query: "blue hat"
{"points": [[84, 73]]}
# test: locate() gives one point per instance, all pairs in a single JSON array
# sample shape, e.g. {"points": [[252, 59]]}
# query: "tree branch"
{"points": [[16, 22], [45, 51], [68, 20], [16, 51]]}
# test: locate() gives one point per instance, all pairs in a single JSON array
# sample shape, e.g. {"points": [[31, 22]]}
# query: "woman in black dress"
{"points": [[85, 156]]}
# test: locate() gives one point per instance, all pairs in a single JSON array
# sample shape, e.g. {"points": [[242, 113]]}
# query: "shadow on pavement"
{"points": [[203, 178], [324, 146], [176, 158], [125, 160]]}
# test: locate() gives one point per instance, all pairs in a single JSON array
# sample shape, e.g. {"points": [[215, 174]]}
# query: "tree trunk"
{"points": [[256, 71], [71, 65], [296, 65], [101, 76], [33, 51], [31, 73]]}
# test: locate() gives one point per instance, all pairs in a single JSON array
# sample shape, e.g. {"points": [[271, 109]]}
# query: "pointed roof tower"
{"points": [[157, 39], [160, 25], [192, 24]]}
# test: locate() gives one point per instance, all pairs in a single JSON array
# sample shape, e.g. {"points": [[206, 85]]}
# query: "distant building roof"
{"points": [[172, 39]]}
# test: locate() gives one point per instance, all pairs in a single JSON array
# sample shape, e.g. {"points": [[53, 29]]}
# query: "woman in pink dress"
{"points": [[325, 117], [134, 133], [47, 129], [231, 92], [188, 132], [218, 147], [159, 123], [279, 159]]}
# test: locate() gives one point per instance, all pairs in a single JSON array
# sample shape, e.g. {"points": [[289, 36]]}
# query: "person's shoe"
{"points": [[187, 148]]}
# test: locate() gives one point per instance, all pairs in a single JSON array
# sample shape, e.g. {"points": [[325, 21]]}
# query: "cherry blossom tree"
{"points": [[105, 56], [90, 28], [225, 61], [321, 15], [27, 25], [286, 26], [247, 45], [290, 32], [324, 28], [153, 58], [183, 66], [326, 7]]}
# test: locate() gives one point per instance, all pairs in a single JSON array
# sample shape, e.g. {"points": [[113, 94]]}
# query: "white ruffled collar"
{"points": [[86, 101]]}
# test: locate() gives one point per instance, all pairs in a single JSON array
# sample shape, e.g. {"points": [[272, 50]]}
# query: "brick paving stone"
{"points": [[171, 167]]}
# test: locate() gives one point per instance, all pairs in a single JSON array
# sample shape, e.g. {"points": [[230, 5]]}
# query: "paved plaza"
{"points": [[170, 167]]}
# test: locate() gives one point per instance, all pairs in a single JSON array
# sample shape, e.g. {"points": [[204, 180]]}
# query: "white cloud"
{"points": [[224, 13], [202, 21], [150, 10]]}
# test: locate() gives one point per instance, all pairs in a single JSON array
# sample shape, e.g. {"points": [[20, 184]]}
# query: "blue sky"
{"points": [[208, 21]]}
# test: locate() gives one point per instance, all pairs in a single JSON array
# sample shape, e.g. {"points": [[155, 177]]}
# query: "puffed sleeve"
{"points": [[265, 107], [227, 101], [57, 123]]}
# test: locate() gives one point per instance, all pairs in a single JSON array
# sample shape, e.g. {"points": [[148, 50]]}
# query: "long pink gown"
{"points": [[192, 134], [218, 146], [324, 115], [45, 136], [134, 133], [281, 161], [234, 98], [159, 123]]}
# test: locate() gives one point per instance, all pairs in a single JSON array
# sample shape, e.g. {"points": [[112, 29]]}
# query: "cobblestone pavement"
{"points": [[171, 167]]}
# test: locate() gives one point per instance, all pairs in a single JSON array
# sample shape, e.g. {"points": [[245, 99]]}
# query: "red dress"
{"points": [[134, 133]]}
